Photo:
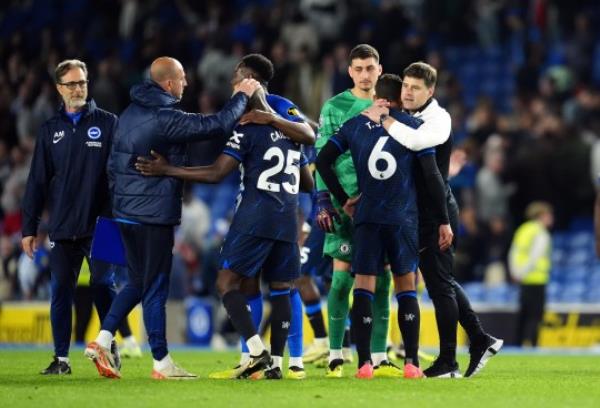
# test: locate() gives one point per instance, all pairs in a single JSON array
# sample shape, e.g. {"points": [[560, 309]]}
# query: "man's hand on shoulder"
{"points": [[257, 116], [247, 86], [375, 112]]}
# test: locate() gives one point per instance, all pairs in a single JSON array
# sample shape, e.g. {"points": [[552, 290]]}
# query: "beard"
{"points": [[76, 102], [366, 86]]}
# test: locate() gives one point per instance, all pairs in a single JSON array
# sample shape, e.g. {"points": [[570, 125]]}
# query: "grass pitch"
{"points": [[516, 380]]}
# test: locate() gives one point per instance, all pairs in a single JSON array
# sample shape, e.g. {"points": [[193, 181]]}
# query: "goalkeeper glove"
{"points": [[326, 213]]}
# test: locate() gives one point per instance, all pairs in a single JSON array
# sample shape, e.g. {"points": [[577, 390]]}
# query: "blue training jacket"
{"points": [[68, 174], [151, 122]]}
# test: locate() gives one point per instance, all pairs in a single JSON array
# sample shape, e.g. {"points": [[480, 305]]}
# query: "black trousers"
{"points": [[437, 269], [532, 301], [435, 265], [83, 311]]}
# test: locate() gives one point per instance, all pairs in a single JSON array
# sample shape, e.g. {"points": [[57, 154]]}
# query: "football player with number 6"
{"points": [[385, 219]]}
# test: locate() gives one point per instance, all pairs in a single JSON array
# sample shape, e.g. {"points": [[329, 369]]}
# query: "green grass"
{"points": [[508, 380]]}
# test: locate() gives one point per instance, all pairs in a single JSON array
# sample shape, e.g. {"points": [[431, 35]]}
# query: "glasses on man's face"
{"points": [[73, 85]]}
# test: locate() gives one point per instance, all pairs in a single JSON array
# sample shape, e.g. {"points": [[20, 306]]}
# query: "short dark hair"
{"points": [[389, 86], [422, 70], [363, 51], [65, 66], [260, 65]]}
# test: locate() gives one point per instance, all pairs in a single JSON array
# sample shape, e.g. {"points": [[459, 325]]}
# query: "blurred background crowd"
{"points": [[521, 80]]}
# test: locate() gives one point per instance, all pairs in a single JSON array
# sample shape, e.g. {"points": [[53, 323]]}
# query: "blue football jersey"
{"points": [[270, 169], [384, 169], [284, 108]]}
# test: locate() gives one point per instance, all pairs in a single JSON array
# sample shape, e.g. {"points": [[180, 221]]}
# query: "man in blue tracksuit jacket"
{"points": [[68, 176], [148, 208]]}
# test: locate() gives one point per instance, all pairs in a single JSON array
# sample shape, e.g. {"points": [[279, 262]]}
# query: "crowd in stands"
{"points": [[521, 80]]}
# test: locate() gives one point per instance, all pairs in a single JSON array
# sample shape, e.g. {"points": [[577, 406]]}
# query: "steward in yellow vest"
{"points": [[529, 262]]}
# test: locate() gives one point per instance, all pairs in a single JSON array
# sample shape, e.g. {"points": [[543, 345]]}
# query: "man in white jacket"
{"points": [[435, 228]]}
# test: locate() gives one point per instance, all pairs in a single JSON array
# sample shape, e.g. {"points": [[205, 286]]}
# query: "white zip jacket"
{"points": [[433, 132]]}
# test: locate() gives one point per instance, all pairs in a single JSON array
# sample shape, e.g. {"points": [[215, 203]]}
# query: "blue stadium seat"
{"points": [[559, 240], [493, 54], [596, 65], [482, 71], [576, 275], [573, 293], [582, 239], [559, 273], [593, 296], [490, 70], [497, 294], [578, 257], [475, 291], [513, 294], [594, 279], [558, 256], [553, 291]]}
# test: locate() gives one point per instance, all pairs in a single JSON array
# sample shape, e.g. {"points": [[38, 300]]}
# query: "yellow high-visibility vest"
{"points": [[521, 252]]}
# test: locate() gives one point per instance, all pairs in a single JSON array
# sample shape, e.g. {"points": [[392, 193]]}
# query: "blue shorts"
{"points": [[377, 244], [313, 261], [247, 255]]}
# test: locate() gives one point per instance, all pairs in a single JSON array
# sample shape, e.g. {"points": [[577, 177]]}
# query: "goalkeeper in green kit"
{"points": [[364, 69]]}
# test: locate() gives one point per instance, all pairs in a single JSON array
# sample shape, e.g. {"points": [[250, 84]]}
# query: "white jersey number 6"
{"points": [[379, 154]]}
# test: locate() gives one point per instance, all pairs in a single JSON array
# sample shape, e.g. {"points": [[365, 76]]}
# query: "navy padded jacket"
{"points": [[68, 174], [151, 122]]}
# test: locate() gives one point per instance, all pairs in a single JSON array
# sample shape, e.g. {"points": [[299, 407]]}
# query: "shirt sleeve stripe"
{"points": [[339, 146], [425, 152], [233, 154]]}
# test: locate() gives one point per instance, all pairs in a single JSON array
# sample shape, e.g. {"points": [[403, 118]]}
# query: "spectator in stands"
{"points": [[14, 189], [529, 261]]}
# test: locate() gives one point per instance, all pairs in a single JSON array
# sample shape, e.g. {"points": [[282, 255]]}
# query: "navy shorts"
{"points": [[313, 261], [247, 255], [377, 244]]}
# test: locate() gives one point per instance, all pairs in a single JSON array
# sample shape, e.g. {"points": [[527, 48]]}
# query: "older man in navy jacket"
{"points": [[148, 208], [68, 175]]}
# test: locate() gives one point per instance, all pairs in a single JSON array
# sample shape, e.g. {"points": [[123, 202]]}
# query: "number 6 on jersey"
{"points": [[379, 154]]}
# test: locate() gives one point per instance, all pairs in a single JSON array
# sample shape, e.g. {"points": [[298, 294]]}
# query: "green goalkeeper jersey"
{"points": [[335, 112]]}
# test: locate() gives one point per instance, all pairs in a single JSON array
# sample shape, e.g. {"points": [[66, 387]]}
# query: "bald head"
{"points": [[164, 68], [169, 74]]}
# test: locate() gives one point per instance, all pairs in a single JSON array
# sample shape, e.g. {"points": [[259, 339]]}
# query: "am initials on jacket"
{"points": [[58, 136]]}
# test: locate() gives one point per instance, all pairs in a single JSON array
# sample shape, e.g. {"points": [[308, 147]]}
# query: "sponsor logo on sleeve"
{"points": [[235, 140]]}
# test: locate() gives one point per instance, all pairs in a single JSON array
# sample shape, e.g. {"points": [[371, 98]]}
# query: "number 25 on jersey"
{"points": [[288, 164]]}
